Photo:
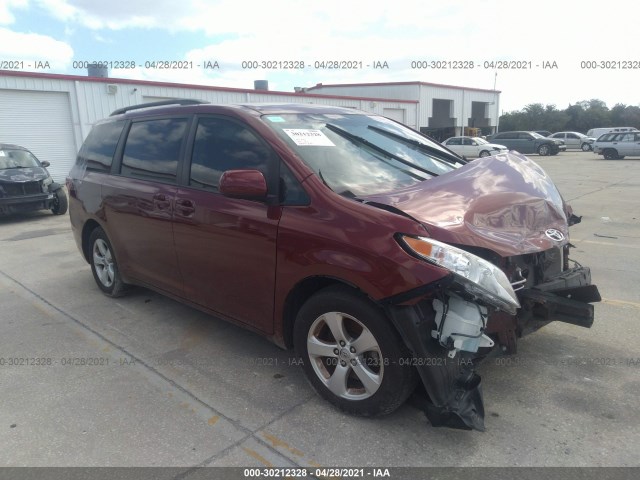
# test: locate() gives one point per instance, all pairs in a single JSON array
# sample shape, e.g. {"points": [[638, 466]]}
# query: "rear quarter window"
{"points": [[98, 149]]}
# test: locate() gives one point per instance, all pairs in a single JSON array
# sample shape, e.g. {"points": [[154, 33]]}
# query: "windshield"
{"points": [[14, 158], [536, 135], [359, 155], [480, 141]]}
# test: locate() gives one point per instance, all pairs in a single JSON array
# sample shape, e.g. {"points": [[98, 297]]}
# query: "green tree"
{"points": [[625, 116], [580, 117]]}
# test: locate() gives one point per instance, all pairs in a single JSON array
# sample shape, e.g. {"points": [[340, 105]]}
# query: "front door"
{"points": [[626, 144], [226, 247]]}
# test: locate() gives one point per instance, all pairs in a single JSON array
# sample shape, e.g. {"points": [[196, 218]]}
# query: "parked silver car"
{"points": [[575, 140], [472, 147], [615, 146]]}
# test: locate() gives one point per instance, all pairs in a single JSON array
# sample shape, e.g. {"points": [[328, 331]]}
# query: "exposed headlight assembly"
{"points": [[479, 277], [45, 184]]}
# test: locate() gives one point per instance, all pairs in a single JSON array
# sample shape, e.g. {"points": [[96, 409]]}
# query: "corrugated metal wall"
{"points": [[89, 101], [425, 94]]}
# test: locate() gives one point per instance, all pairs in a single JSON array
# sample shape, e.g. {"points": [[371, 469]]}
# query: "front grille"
{"points": [[20, 189]]}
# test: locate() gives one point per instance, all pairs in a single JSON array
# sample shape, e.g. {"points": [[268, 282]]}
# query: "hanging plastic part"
{"points": [[460, 325]]}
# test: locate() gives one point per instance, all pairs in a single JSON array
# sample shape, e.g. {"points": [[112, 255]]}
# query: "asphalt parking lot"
{"points": [[145, 381]]}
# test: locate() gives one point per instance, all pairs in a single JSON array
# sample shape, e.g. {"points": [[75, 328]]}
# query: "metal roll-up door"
{"points": [[41, 122], [396, 114]]}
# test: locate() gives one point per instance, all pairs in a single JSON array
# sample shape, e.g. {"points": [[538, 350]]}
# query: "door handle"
{"points": [[161, 202], [185, 207]]}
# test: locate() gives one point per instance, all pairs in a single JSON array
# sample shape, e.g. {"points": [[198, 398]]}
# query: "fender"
{"points": [[53, 187]]}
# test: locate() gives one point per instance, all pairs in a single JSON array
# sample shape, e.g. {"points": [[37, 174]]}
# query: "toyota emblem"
{"points": [[554, 234]]}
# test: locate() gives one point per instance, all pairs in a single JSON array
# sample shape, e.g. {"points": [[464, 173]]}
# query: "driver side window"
{"points": [[220, 145]]}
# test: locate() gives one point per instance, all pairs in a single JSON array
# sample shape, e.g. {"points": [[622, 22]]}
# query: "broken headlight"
{"points": [[479, 277]]}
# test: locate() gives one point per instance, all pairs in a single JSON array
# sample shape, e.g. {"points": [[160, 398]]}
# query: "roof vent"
{"points": [[261, 84], [95, 70]]}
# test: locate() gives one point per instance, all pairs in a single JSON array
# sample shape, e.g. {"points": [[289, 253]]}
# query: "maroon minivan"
{"points": [[383, 258]]}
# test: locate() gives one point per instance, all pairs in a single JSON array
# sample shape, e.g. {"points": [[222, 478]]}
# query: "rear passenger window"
{"points": [[222, 145], [153, 148], [99, 147]]}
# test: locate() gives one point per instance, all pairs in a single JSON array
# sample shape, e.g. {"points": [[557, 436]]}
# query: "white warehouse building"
{"points": [[52, 114], [443, 110]]}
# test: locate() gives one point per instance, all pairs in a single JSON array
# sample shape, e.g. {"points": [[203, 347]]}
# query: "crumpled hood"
{"points": [[30, 174], [504, 203]]}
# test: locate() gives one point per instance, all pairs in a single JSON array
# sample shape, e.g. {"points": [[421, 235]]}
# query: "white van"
{"points": [[596, 132]]}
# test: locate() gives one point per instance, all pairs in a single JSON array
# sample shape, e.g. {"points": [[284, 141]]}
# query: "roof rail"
{"points": [[178, 101]]}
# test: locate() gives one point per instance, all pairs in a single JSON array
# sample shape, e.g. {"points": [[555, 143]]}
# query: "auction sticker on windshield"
{"points": [[308, 137]]}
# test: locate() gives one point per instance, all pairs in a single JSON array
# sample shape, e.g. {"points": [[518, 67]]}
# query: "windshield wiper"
{"points": [[416, 144], [373, 146]]}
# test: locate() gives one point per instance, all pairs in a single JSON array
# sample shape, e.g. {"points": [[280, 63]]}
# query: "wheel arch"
{"points": [[610, 153], [300, 293], [89, 226]]}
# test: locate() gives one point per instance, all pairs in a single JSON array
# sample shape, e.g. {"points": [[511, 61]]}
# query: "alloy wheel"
{"points": [[103, 262], [345, 356]]}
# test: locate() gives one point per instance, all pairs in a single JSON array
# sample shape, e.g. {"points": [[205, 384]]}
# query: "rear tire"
{"points": [[351, 354], [103, 264]]}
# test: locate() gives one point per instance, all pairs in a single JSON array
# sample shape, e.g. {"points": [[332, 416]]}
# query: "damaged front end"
{"points": [[484, 303], [500, 228]]}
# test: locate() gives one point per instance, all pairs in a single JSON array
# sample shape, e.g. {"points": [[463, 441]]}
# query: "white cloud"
{"points": [[6, 6], [396, 32], [30, 47]]}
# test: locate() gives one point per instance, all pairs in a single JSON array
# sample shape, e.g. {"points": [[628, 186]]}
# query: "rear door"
{"points": [[455, 145], [526, 143], [508, 139], [572, 140], [139, 198], [560, 136], [468, 148], [636, 145], [226, 247]]}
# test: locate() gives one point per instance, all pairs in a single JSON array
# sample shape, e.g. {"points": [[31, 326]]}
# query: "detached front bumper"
{"points": [[566, 297]]}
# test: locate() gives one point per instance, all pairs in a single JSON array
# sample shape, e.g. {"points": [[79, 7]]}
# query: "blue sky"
{"points": [[536, 33]]}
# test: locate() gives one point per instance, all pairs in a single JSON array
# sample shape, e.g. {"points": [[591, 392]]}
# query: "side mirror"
{"points": [[45, 164], [247, 184]]}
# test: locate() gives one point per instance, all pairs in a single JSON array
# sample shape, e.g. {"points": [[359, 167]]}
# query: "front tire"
{"points": [[60, 202], [103, 264], [611, 154], [543, 150], [585, 147], [352, 355], [484, 153]]}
